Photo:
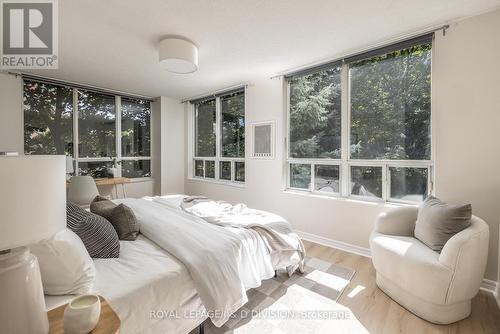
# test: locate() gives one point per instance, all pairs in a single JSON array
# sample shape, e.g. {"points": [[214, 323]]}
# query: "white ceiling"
{"points": [[114, 43]]}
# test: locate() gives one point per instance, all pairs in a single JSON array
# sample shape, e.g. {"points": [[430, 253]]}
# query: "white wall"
{"points": [[466, 72], [466, 108], [172, 146]]}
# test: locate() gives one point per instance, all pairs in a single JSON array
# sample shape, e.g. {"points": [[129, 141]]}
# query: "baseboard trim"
{"points": [[497, 295], [487, 285], [335, 244]]}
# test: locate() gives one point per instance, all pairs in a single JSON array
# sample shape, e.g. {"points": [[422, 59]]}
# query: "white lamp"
{"points": [[178, 55], [32, 208]]}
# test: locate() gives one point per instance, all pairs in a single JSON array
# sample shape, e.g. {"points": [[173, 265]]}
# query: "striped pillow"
{"points": [[97, 234]]}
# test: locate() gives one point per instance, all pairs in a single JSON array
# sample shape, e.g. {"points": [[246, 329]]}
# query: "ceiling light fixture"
{"points": [[178, 55]]}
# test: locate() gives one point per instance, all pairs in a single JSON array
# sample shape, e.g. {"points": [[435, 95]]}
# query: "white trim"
{"points": [[497, 294], [487, 285], [236, 184], [344, 246]]}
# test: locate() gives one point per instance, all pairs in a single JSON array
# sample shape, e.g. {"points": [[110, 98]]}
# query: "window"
{"points": [[48, 118], [315, 124], [112, 131], [96, 125], [377, 145], [391, 105], [219, 138]]}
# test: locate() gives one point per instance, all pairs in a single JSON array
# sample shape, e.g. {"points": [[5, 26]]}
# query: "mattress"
{"points": [[149, 289]]}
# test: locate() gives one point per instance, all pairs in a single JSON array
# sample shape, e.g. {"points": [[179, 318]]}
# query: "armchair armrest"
{"points": [[400, 221], [466, 254], [473, 240]]}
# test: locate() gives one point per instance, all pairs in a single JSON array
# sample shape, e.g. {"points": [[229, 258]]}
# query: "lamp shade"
{"points": [[178, 55], [32, 199]]}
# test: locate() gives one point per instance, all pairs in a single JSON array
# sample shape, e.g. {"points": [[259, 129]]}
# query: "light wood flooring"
{"points": [[374, 310], [380, 314]]}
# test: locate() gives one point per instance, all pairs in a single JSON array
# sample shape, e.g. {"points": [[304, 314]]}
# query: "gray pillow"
{"points": [[98, 235], [102, 206], [125, 223], [121, 217], [437, 222]]}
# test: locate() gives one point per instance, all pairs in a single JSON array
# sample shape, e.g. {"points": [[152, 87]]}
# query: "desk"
{"points": [[114, 182]]}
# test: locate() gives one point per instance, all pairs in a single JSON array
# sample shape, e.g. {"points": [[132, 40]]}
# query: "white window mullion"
{"points": [[218, 137], [345, 174], [385, 182], [118, 118], [75, 130], [311, 186]]}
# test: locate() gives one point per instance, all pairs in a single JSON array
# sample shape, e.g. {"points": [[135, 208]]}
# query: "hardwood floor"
{"points": [[380, 314]]}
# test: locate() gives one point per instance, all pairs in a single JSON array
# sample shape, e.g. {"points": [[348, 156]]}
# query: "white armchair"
{"points": [[437, 287]]}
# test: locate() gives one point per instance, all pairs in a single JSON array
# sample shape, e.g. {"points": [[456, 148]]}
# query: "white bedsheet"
{"points": [[149, 289], [223, 262]]}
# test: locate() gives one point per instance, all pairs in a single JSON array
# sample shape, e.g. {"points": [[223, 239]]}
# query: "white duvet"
{"points": [[223, 262]]}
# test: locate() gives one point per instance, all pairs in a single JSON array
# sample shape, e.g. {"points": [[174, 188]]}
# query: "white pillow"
{"points": [[65, 264]]}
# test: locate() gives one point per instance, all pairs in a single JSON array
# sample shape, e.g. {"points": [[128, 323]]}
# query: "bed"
{"points": [[142, 286], [160, 285]]}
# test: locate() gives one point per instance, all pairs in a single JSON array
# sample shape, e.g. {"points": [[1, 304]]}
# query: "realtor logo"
{"points": [[29, 34]]}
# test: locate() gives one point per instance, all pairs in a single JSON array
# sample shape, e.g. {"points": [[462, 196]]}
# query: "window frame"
{"points": [[218, 147], [345, 160], [118, 136]]}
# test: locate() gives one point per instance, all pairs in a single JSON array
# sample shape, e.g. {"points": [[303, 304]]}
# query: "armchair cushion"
{"points": [[400, 221], [437, 222]]}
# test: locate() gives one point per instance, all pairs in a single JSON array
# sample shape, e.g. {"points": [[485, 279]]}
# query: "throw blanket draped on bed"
{"points": [[273, 229], [223, 262]]}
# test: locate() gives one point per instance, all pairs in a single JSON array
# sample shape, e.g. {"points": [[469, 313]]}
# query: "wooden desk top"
{"points": [[108, 181], [109, 323], [111, 181]]}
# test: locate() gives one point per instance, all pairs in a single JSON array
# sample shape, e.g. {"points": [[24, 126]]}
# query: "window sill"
{"points": [[141, 179], [352, 199], [224, 183]]}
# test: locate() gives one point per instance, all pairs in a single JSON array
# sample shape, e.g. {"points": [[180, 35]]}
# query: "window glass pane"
{"points": [[409, 184], [96, 125], [366, 181], [315, 124], [391, 105], [205, 129], [326, 178], [239, 171], [136, 128], [136, 168], [210, 169], [225, 170], [198, 168], [300, 176], [48, 119], [233, 125], [96, 169]]}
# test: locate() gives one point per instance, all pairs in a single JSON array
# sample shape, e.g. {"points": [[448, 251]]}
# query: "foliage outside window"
{"points": [[219, 138], [49, 120], [384, 151]]}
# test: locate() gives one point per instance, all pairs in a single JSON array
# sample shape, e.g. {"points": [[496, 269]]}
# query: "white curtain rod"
{"points": [[363, 50], [215, 92]]}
